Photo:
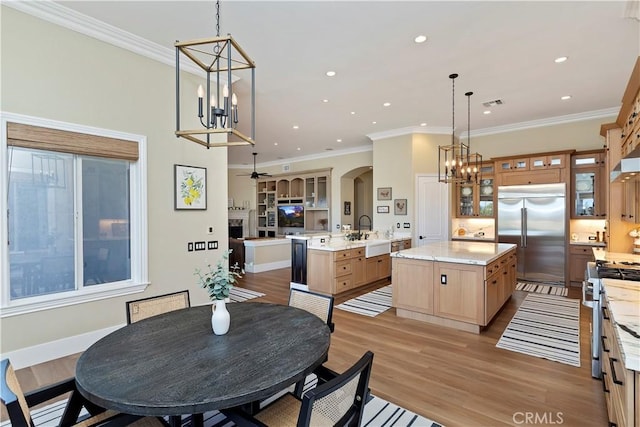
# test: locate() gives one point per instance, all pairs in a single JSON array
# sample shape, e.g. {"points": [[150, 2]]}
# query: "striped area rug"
{"points": [[542, 289], [237, 294], [377, 412], [370, 304], [545, 326]]}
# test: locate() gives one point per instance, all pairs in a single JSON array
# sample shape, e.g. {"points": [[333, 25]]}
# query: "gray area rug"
{"points": [[542, 289], [237, 294], [377, 412], [370, 304], [545, 326]]}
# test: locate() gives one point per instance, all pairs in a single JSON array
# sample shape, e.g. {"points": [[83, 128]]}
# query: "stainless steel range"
{"points": [[592, 287]]}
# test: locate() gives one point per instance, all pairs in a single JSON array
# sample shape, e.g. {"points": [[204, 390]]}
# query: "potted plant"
{"points": [[218, 281]]}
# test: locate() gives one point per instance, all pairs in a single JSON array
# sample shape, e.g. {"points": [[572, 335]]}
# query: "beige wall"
{"points": [[55, 73], [582, 135]]}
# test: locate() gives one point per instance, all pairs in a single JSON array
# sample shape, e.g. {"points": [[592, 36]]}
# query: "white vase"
{"points": [[220, 318]]}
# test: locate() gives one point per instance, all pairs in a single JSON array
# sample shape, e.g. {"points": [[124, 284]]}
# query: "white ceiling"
{"points": [[501, 50]]}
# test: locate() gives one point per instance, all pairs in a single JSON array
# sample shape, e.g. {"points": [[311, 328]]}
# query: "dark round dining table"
{"points": [[173, 364]]}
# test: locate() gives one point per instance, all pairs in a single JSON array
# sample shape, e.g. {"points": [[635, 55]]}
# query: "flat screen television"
{"points": [[290, 216]]}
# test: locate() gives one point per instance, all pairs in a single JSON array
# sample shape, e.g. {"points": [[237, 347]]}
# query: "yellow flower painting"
{"points": [[190, 187]]}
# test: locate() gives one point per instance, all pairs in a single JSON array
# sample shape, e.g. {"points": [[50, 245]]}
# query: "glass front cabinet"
{"points": [[588, 186], [477, 198]]}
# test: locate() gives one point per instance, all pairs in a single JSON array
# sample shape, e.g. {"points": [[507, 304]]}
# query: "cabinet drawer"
{"points": [[341, 285], [580, 250], [343, 267], [345, 254]]}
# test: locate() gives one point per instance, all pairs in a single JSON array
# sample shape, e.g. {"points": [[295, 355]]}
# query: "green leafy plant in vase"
{"points": [[218, 282]]}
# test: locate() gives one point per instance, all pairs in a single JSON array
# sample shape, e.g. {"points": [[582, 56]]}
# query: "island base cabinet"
{"points": [[458, 292], [416, 292]]}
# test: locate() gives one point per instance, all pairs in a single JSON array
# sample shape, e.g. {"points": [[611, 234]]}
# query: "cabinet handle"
{"points": [[494, 282], [614, 377], [604, 348], [604, 383], [605, 314]]}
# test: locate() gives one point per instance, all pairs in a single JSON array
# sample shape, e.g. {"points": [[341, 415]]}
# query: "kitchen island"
{"points": [[456, 284]]}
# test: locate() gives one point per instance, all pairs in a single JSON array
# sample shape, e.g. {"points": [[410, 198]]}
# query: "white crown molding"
{"points": [[332, 153], [589, 115], [68, 18]]}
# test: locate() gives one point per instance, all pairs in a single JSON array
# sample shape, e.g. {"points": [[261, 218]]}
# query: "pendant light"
{"points": [[218, 60], [455, 162]]}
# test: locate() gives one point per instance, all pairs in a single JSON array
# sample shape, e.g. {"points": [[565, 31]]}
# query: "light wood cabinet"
{"points": [[459, 292], [378, 267], [631, 202], [400, 245], [588, 185], [333, 272], [309, 191], [579, 256], [461, 296], [416, 293], [477, 199], [620, 385], [542, 168]]}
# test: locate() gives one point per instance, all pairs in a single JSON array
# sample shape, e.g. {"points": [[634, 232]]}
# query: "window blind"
{"points": [[41, 138]]}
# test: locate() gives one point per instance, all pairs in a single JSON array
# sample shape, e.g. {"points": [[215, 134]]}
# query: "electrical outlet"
{"points": [[407, 225], [212, 244], [397, 225], [199, 246], [190, 247]]}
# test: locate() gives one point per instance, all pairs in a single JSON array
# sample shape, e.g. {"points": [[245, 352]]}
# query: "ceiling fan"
{"points": [[255, 174]]}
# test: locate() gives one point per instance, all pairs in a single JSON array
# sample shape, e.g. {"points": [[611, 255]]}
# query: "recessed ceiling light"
{"points": [[420, 39], [423, 124], [275, 143], [325, 100], [560, 59], [331, 73], [353, 113], [296, 127], [374, 122], [486, 112], [386, 104], [564, 98], [298, 148], [338, 140]]}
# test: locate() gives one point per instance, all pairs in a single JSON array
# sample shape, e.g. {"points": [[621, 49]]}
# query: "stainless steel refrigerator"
{"points": [[533, 218]]}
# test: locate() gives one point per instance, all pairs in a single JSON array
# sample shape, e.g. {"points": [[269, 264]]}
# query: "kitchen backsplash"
{"points": [[581, 229], [473, 227]]}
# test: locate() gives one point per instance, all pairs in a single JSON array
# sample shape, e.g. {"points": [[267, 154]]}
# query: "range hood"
{"points": [[627, 170]]}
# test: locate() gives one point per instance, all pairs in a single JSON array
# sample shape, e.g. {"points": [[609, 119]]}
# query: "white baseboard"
{"points": [[56, 349], [259, 268]]}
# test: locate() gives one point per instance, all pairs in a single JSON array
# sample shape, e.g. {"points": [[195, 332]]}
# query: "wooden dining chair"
{"points": [[18, 404], [338, 402], [319, 304], [152, 306]]}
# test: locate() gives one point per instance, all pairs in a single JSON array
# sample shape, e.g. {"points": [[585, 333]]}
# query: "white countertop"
{"points": [[478, 253], [587, 243], [601, 254], [624, 310]]}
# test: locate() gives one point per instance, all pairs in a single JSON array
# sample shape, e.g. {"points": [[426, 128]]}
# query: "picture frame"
{"points": [[383, 209], [384, 193], [190, 187], [400, 206]]}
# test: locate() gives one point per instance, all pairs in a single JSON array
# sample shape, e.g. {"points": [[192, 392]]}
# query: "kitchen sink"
{"points": [[377, 247]]}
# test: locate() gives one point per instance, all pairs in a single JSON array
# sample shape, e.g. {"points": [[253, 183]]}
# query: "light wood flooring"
{"points": [[455, 378]]}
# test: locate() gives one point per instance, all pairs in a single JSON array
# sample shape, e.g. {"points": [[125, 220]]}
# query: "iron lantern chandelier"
{"points": [[217, 103], [456, 163]]}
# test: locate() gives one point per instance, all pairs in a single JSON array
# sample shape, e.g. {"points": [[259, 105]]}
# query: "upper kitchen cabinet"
{"points": [[476, 199], [588, 185], [631, 202], [542, 168]]}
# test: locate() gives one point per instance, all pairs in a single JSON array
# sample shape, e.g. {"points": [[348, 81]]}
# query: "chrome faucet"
{"points": [[360, 225]]}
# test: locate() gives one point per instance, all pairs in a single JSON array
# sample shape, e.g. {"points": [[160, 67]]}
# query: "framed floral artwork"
{"points": [[400, 206], [384, 193], [190, 187]]}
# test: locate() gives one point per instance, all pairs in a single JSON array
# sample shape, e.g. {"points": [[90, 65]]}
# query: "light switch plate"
{"points": [[212, 244], [199, 246], [190, 247]]}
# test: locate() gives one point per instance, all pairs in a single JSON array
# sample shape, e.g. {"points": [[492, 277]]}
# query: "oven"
{"points": [[593, 295]]}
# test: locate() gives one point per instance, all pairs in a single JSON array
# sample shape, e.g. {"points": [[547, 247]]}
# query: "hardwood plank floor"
{"points": [[453, 377]]}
